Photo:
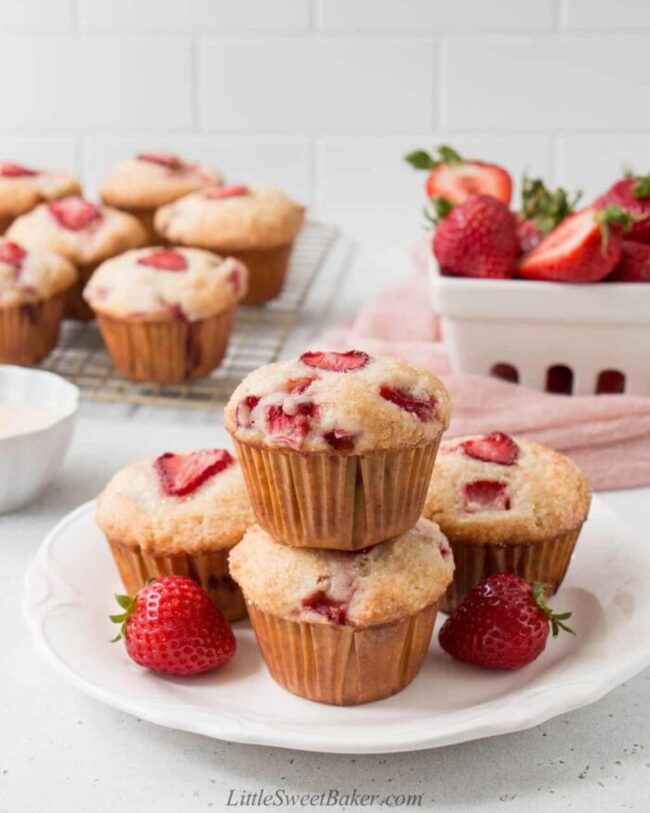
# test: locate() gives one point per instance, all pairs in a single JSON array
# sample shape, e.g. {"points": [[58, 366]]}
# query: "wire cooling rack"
{"points": [[258, 337]]}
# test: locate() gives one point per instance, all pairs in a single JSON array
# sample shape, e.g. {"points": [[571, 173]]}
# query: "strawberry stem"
{"points": [[544, 207], [556, 619], [641, 188], [613, 216], [127, 603], [420, 159], [441, 208]]}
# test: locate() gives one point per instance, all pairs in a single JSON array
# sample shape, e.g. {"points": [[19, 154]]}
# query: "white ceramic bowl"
{"points": [[29, 461]]}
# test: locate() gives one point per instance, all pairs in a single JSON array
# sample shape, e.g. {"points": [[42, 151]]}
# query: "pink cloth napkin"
{"points": [[606, 435]]}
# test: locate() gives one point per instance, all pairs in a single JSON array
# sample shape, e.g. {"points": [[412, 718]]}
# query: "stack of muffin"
{"points": [[341, 577], [165, 313]]}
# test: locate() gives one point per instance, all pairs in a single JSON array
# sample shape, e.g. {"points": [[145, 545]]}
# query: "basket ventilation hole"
{"points": [[559, 379], [506, 372], [610, 382]]}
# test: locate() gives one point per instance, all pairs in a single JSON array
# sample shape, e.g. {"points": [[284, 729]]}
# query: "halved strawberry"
{"points": [[299, 385], [74, 213], [181, 474], [323, 604], [497, 447], [163, 159], [222, 192], [541, 211], [456, 179], [290, 429], [583, 248], [165, 259], [633, 195], [485, 495], [244, 409], [12, 254], [634, 265], [421, 408], [339, 441], [336, 362], [17, 171]]}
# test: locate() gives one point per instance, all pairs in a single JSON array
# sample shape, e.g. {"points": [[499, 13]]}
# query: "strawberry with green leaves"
{"points": [[455, 178], [632, 194], [541, 211]]}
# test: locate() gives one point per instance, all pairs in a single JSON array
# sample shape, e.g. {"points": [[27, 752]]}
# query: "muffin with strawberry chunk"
{"points": [[253, 223], [344, 627], [33, 290], [23, 188], [151, 179], [83, 233], [337, 448], [506, 504], [179, 514], [166, 313]]}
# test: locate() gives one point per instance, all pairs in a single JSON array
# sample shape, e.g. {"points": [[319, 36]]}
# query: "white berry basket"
{"points": [[524, 331]]}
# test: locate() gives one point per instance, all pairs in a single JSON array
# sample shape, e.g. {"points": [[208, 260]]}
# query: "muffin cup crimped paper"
{"points": [[336, 501], [343, 665], [29, 332], [267, 271]]}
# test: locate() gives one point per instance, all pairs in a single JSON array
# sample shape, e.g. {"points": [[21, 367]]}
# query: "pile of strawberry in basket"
{"points": [[478, 235]]}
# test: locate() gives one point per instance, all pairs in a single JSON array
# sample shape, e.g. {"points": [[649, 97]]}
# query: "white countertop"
{"points": [[61, 750]]}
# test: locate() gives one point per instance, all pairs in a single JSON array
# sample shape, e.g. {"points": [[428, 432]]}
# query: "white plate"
{"points": [[69, 595]]}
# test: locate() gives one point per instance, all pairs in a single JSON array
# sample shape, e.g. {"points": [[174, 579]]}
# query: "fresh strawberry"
{"points": [[172, 626], [339, 441], [497, 447], [323, 604], [181, 474], [633, 195], [163, 159], [74, 213], [503, 623], [541, 211], [528, 235], [12, 254], [421, 408], [165, 259], [634, 265], [583, 248], [244, 409], [222, 192], [16, 171], [290, 429], [336, 362], [454, 178], [478, 239], [485, 495]]}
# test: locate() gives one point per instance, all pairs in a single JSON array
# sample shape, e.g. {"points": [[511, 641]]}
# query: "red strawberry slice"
{"points": [[421, 408], [340, 441], [633, 195], [497, 447], [454, 178], [181, 474], [485, 495], [323, 604], [290, 429], [336, 362], [634, 265], [585, 247], [17, 171], [244, 410], [165, 259], [299, 385], [222, 192], [12, 254], [235, 280], [478, 239], [74, 214], [163, 159]]}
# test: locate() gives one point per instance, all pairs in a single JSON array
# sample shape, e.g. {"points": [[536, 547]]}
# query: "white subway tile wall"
{"points": [[324, 97]]}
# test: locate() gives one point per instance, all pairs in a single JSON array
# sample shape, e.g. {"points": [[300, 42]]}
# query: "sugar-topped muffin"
{"points": [[81, 232], [33, 289], [178, 514], [166, 313], [507, 504], [22, 188], [141, 184], [344, 627], [337, 448], [254, 223]]}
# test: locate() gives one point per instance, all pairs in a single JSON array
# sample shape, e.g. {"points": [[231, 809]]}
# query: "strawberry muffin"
{"points": [[81, 232], [506, 504], [165, 313], [337, 448], [151, 179], [179, 514], [23, 188], [344, 627], [33, 290], [253, 223]]}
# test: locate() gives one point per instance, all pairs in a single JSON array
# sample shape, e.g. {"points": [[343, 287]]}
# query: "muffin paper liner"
{"points": [[28, 332], [166, 351], [545, 560], [76, 306], [267, 270], [337, 501], [343, 665], [210, 570]]}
